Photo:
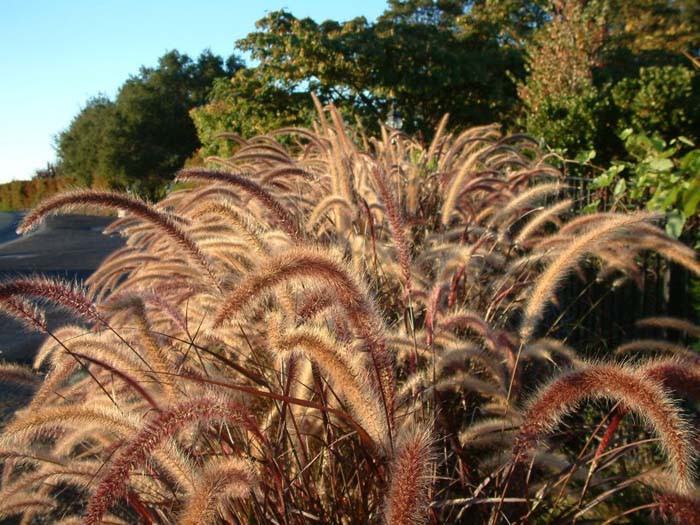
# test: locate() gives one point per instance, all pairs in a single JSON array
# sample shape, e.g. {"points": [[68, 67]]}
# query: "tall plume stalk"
{"points": [[411, 477], [327, 327], [117, 201], [635, 390]]}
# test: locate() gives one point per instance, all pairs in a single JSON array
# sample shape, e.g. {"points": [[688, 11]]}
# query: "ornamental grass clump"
{"points": [[348, 329]]}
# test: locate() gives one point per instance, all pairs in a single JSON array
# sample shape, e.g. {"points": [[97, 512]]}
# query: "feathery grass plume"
{"points": [[98, 282], [341, 183], [347, 375], [463, 356], [282, 217], [165, 306], [570, 256], [31, 316], [58, 375], [455, 185], [152, 349], [671, 323], [109, 519], [138, 449], [71, 297], [498, 431], [548, 214], [220, 480], [310, 263], [112, 200], [397, 226], [270, 146], [438, 140], [653, 345], [153, 274], [236, 222], [502, 219], [547, 349], [27, 425], [219, 161], [680, 375], [470, 279], [201, 194], [22, 503], [431, 310], [466, 382], [422, 382], [285, 171], [52, 345], [678, 509], [77, 474], [314, 303], [466, 142], [18, 374], [319, 142], [235, 137], [582, 223], [124, 376], [465, 319], [671, 250], [635, 389], [320, 210], [410, 478]]}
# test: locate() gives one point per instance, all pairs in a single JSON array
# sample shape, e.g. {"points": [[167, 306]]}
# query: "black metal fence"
{"points": [[602, 315]]}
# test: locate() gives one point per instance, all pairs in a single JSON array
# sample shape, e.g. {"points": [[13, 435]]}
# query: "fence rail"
{"points": [[600, 316]]}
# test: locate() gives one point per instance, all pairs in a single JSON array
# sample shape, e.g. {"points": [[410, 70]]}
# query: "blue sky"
{"points": [[57, 54]]}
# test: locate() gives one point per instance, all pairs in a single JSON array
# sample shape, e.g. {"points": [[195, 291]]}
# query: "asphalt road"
{"points": [[66, 246]]}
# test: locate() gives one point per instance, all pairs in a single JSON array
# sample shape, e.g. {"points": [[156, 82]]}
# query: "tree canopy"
{"points": [[424, 58], [572, 72], [138, 140]]}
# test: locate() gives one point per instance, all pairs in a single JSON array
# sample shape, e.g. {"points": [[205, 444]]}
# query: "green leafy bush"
{"points": [[568, 123], [664, 100], [661, 176]]}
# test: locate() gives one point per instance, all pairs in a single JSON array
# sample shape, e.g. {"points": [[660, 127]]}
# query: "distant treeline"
{"points": [[579, 75], [22, 195]]}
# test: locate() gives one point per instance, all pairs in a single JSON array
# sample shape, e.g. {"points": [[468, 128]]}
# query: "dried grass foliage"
{"points": [[345, 330]]}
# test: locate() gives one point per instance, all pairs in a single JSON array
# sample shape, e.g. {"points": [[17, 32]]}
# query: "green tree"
{"points": [[154, 134], [598, 67], [425, 57], [560, 100], [651, 29], [139, 140], [661, 100], [248, 105], [445, 57], [83, 147]]}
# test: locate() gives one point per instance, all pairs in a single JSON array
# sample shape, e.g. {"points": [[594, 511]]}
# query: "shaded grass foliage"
{"points": [[350, 329]]}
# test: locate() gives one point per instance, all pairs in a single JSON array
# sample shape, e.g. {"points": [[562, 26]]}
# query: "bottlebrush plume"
{"points": [[397, 227], [678, 374], [678, 509], [71, 297], [311, 263], [411, 475], [346, 373], [318, 232], [14, 373], [283, 218], [229, 478], [571, 255], [549, 214], [137, 450], [116, 201], [634, 389], [671, 323]]}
